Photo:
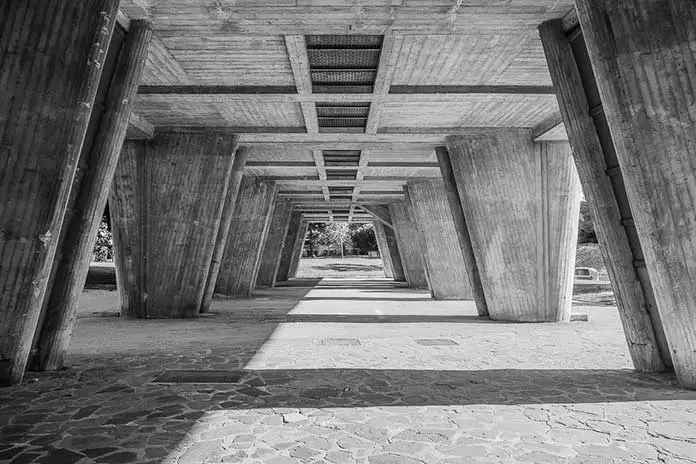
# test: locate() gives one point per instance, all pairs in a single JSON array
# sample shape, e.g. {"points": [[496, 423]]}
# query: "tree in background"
{"points": [[363, 238], [586, 230], [315, 237], [337, 233]]}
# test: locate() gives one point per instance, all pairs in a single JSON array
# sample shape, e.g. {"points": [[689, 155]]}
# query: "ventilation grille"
{"points": [[342, 117], [341, 190], [342, 174], [343, 63], [341, 157]]}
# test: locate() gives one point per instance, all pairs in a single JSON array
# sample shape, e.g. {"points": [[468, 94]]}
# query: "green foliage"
{"points": [[363, 238], [104, 246], [586, 230]]}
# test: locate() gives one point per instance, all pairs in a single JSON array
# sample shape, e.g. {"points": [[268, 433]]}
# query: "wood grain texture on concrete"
{"points": [[166, 205], [642, 53], [297, 247], [442, 256], [273, 247], [98, 161], [52, 55], [246, 237], [521, 203], [383, 247], [592, 154], [462, 229], [410, 248], [294, 229], [240, 159]]}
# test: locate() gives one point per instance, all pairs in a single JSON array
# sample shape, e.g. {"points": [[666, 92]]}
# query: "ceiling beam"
{"points": [[379, 212], [139, 128], [473, 89]]}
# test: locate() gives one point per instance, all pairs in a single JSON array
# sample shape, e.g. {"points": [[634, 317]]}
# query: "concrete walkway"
{"points": [[347, 371]]}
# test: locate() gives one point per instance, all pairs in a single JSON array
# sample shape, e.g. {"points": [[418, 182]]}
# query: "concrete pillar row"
{"points": [[251, 222], [410, 249], [383, 249], [296, 228], [643, 56], [273, 247], [44, 126], [389, 249], [166, 206], [442, 256], [297, 247], [521, 202]]}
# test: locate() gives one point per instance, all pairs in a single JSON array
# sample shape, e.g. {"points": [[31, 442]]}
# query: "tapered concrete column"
{"points": [[98, 163], [225, 224], [462, 230], [295, 226], [409, 243], [297, 248], [383, 248], [521, 201], [442, 256], [272, 249], [603, 185], [250, 224], [643, 55], [52, 56], [166, 205]]}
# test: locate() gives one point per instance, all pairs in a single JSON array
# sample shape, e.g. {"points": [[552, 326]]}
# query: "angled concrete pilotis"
{"points": [[521, 201], [462, 229], [52, 57], [444, 264], [642, 53], [409, 243], [166, 205], [389, 247], [273, 246], [124, 66], [240, 158], [250, 223], [603, 185], [383, 248], [297, 248], [295, 228]]}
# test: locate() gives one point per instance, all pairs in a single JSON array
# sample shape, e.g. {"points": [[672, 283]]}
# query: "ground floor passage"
{"points": [[341, 371]]}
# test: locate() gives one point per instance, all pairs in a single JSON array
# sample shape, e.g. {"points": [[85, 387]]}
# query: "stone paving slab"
{"points": [[505, 393]]}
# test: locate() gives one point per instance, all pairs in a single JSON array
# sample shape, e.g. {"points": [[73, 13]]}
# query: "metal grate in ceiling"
{"points": [[343, 63], [341, 174], [343, 117], [340, 190], [341, 157]]}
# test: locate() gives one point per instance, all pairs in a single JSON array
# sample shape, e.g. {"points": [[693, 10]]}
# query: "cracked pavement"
{"points": [[346, 372]]}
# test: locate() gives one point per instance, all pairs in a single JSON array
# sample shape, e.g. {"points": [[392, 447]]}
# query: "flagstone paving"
{"points": [[347, 372]]}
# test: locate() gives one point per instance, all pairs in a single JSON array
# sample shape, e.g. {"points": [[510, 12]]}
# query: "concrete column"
{"points": [[166, 205], [272, 249], [463, 236], [409, 243], [521, 201], [297, 248], [442, 256], [123, 68], [289, 245], [250, 225], [642, 53], [603, 185], [52, 58], [383, 248], [225, 224]]}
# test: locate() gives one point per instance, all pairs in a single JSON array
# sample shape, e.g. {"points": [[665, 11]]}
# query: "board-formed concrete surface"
{"points": [[347, 371]]}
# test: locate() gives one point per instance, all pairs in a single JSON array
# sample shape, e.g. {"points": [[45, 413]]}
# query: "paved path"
{"points": [[346, 372]]}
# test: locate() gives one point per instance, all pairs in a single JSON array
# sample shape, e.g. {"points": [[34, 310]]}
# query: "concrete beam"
{"points": [[648, 103]]}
